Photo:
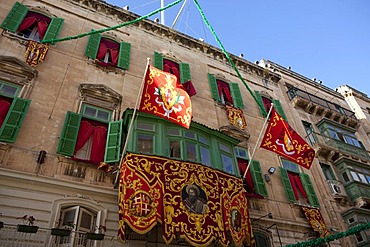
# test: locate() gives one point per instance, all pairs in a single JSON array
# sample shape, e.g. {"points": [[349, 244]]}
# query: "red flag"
{"points": [[162, 96], [285, 141]]}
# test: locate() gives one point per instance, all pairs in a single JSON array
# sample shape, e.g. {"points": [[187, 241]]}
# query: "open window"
{"points": [[254, 184], [225, 92], [13, 104], [298, 186], [107, 51], [32, 23], [92, 135], [181, 70], [265, 100]]}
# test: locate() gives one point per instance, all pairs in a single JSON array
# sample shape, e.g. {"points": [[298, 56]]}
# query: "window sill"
{"points": [[106, 67]]}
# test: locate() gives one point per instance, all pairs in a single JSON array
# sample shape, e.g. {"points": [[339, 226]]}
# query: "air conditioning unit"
{"points": [[336, 188]]}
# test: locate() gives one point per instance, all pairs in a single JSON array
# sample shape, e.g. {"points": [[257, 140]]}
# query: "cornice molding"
{"points": [[172, 35]]}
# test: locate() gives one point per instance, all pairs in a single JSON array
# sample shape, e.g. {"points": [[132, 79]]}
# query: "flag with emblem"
{"points": [[236, 117], [163, 97], [285, 141]]}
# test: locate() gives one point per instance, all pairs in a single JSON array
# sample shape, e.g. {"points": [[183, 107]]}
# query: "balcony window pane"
{"points": [[362, 178], [145, 143], [173, 132], [368, 178], [355, 176], [227, 164], [191, 153], [203, 140], [175, 149], [145, 126], [190, 135], [224, 148], [206, 156]]}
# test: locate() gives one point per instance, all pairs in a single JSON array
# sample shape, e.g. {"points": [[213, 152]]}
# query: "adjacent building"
{"points": [[66, 109]]}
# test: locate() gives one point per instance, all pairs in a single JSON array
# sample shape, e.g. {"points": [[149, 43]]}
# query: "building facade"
{"points": [[66, 107]]}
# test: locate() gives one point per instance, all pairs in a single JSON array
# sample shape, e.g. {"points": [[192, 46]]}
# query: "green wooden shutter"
{"points": [[54, 28], [92, 46], [14, 17], [259, 184], [124, 55], [236, 95], [68, 138], [308, 187], [287, 185], [113, 146], [259, 99], [14, 119], [158, 60], [279, 108], [184, 72], [214, 88]]}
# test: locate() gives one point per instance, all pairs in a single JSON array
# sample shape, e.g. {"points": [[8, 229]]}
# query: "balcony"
{"points": [[321, 107], [333, 149], [10, 237]]}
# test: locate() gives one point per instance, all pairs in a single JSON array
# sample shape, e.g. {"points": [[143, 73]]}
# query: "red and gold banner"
{"points": [[35, 53], [285, 141], [316, 221], [236, 117], [198, 203], [164, 97]]}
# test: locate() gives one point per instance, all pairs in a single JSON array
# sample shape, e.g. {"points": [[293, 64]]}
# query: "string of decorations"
{"points": [[53, 41], [332, 237]]}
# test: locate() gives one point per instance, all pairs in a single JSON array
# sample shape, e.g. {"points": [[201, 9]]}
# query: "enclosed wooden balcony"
{"points": [[321, 107]]}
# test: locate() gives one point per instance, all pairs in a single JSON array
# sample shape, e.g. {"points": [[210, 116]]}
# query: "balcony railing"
{"points": [[295, 92], [10, 237]]}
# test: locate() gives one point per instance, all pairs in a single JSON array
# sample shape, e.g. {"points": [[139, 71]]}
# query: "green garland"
{"points": [[332, 237], [112, 28]]}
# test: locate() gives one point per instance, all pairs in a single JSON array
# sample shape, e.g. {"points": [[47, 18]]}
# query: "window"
{"points": [[108, 52], [90, 135], [298, 186], [254, 183], [31, 24], [266, 101], [12, 112], [359, 175], [224, 92], [180, 70], [309, 131], [328, 172], [342, 135], [146, 133], [262, 239], [188, 145]]}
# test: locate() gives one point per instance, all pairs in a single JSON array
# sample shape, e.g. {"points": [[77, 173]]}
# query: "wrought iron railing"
{"points": [[295, 92], [11, 237]]}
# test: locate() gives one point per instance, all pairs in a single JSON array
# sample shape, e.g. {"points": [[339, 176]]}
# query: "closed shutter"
{"points": [[124, 55], [92, 46], [14, 119], [236, 95], [287, 185], [14, 17], [259, 184], [260, 102], [68, 138], [279, 108], [113, 146], [158, 60], [184, 72], [308, 187], [54, 29], [214, 88]]}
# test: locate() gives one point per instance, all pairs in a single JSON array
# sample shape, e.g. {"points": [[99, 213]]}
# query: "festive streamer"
{"points": [[332, 237], [53, 41]]}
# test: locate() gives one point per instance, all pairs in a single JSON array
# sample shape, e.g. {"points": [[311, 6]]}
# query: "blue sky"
{"points": [[325, 39]]}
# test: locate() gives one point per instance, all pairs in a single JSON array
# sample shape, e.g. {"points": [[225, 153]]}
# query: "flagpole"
{"points": [[258, 140], [132, 120]]}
